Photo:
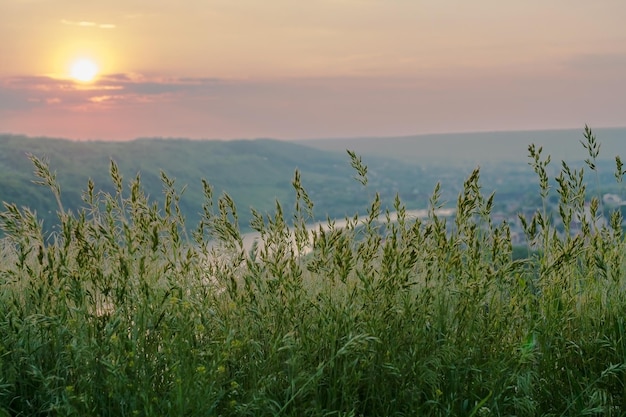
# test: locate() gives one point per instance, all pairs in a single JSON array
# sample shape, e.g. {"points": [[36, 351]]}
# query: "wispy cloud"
{"points": [[87, 24], [127, 105], [36, 91]]}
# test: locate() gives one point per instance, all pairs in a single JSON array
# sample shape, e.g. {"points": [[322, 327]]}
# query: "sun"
{"points": [[84, 70]]}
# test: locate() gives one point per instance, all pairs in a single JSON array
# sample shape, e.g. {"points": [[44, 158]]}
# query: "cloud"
{"points": [[127, 105], [87, 24], [13, 101], [118, 77], [199, 80], [37, 86], [101, 99], [138, 84], [121, 89]]}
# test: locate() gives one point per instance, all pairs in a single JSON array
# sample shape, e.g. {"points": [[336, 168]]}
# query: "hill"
{"points": [[255, 173], [480, 147]]}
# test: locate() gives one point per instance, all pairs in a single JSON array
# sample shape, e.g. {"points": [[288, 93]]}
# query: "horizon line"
{"points": [[400, 136]]}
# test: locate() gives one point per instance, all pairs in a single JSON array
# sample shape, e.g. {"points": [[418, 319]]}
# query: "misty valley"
{"points": [[256, 173]]}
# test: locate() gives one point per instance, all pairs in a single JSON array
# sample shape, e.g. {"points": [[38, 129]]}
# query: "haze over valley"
{"points": [[257, 173], [480, 148]]}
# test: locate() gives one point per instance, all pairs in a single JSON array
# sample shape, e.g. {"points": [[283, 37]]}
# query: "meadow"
{"points": [[126, 311]]}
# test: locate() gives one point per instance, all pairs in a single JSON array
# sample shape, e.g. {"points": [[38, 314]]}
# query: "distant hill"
{"points": [[253, 172], [480, 148], [256, 173]]}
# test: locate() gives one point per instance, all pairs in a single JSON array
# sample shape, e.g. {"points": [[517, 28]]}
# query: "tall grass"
{"points": [[121, 313]]}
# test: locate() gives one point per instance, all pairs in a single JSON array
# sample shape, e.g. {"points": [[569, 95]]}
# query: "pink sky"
{"points": [[323, 68]]}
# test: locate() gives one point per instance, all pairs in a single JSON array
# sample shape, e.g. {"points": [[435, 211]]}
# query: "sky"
{"points": [[288, 69]]}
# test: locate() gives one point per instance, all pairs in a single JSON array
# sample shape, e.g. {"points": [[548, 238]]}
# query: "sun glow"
{"points": [[84, 70]]}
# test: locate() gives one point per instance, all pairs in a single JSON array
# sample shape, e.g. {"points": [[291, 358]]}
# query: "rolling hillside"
{"points": [[480, 148], [253, 172]]}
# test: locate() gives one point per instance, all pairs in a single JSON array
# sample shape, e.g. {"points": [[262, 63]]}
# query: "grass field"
{"points": [[122, 313]]}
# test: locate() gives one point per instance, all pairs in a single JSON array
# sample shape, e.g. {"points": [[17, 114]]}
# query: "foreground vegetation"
{"points": [[122, 313]]}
